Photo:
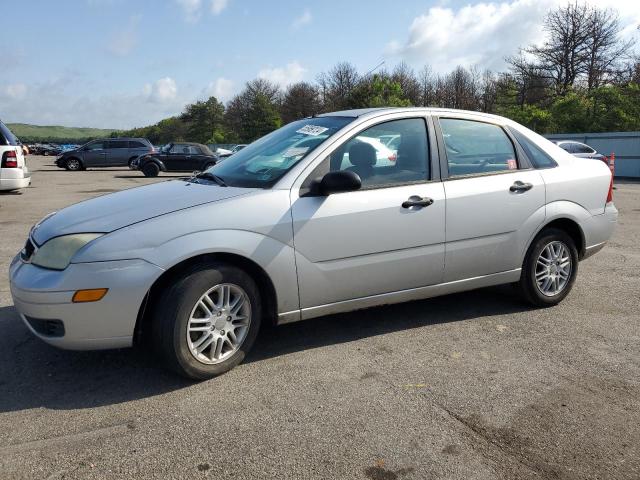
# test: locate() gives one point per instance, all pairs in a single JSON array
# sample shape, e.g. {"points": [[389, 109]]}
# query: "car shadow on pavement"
{"points": [[347, 327], [34, 374], [164, 175]]}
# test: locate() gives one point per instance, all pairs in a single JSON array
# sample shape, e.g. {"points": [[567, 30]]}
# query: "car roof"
{"points": [[123, 138], [361, 112]]}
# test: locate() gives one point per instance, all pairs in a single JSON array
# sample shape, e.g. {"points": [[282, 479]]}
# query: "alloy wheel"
{"points": [[553, 268], [73, 164], [219, 323]]}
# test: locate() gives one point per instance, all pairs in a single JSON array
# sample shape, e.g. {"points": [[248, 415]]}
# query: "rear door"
{"points": [[495, 199]]}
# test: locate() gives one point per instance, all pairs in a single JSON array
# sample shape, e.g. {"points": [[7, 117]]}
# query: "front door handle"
{"points": [[519, 187], [416, 201]]}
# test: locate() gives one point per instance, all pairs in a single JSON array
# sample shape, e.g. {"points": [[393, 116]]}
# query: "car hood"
{"points": [[117, 210]]}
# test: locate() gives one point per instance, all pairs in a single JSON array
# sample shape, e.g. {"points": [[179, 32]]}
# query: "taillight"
{"points": [[393, 157], [612, 164], [9, 159], [610, 193]]}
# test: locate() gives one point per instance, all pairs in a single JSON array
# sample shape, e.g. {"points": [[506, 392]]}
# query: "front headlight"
{"points": [[58, 252]]}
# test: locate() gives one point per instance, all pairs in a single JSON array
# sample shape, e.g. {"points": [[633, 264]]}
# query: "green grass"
{"points": [[55, 133]]}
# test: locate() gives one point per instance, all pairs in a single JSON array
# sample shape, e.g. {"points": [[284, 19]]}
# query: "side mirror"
{"points": [[337, 182]]}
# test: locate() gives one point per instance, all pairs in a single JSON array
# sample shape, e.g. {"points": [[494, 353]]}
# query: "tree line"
{"points": [[584, 78]]}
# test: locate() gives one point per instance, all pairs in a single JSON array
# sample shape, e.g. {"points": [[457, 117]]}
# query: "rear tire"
{"points": [[73, 165], [550, 268], [150, 169], [194, 313]]}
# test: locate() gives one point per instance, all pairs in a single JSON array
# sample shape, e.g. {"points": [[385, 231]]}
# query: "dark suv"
{"points": [[110, 152]]}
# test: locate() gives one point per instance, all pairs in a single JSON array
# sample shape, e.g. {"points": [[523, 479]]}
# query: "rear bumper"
{"points": [[14, 180], [44, 296], [600, 229]]}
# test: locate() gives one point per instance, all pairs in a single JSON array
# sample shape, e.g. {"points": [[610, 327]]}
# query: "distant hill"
{"points": [[55, 133]]}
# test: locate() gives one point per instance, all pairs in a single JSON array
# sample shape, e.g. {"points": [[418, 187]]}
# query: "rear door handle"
{"points": [[416, 201], [519, 187]]}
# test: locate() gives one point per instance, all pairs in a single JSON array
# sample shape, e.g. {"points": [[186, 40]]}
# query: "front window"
{"points": [[390, 153], [265, 161], [95, 146]]}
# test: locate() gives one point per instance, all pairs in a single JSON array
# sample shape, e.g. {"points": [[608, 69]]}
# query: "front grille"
{"points": [[28, 250], [47, 327]]}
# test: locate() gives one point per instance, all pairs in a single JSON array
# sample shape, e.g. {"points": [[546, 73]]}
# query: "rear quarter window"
{"points": [[538, 157], [6, 136], [136, 144]]}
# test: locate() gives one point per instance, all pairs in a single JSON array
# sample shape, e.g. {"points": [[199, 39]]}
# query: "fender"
{"points": [[276, 258], [561, 210], [157, 162]]}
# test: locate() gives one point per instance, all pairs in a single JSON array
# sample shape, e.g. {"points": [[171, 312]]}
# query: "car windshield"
{"points": [[205, 150], [265, 161]]}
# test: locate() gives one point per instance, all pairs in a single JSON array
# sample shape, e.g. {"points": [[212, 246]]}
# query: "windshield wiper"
{"points": [[212, 176]]}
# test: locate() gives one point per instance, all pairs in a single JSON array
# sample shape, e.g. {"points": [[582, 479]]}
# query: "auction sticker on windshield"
{"points": [[312, 130]]}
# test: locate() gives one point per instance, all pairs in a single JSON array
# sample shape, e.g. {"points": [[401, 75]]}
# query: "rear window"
{"points": [[6, 136], [581, 148], [475, 147]]}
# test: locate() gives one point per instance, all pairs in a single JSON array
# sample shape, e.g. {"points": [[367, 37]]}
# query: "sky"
{"points": [[126, 63]]}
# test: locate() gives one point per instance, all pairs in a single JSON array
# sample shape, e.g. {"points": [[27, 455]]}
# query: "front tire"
{"points": [[150, 170], [550, 268], [73, 164], [207, 320]]}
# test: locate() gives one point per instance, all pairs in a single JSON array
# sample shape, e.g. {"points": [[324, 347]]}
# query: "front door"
{"points": [[94, 154], [495, 201], [178, 157], [386, 237]]}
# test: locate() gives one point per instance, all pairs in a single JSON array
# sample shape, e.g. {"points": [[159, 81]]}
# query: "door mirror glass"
{"points": [[336, 182]]}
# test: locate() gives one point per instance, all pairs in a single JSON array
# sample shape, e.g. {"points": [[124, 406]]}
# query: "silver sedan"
{"points": [[307, 222]]}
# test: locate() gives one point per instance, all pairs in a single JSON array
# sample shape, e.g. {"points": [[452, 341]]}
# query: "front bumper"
{"points": [[40, 295]]}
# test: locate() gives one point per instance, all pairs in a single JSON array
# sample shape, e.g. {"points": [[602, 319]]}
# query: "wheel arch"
{"points": [[265, 286], [568, 225], [155, 160]]}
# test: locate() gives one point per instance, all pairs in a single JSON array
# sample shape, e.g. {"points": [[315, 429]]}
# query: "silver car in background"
{"points": [[289, 229]]}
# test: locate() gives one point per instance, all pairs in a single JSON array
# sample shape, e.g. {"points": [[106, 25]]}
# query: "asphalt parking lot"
{"points": [[472, 386]]}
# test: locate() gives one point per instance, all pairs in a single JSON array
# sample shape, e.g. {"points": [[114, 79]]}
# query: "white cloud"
{"points": [[217, 6], [223, 89], [162, 90], [192, 9], [302, 20], [58, 102], [122, 42], [485, 33], [16, 90], [283, 76], [481, 34]]}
